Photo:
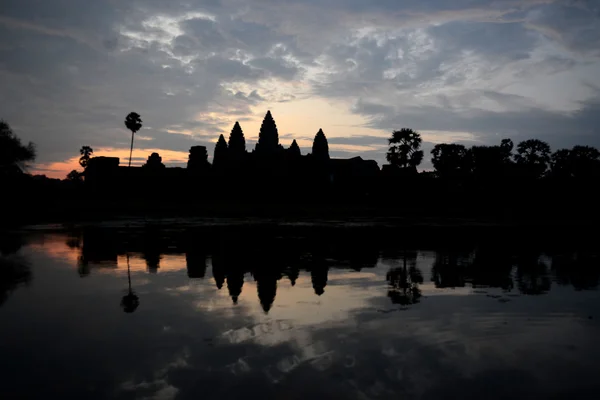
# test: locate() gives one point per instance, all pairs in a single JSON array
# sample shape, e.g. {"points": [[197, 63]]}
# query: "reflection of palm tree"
{"points": [[130, 301], [404, 282]]}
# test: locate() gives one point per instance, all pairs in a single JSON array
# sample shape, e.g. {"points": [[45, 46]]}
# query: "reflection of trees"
{"points": [[449, 270], [491, 267], [578, 269], [532, 274], [404, 281], [14, 272], [130, 301]]}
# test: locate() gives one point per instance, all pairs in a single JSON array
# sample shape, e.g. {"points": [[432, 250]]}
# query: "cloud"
{"points": [[481, 69]]}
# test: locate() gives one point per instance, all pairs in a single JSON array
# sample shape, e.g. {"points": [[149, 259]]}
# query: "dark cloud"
{"points": [[69, 74]]}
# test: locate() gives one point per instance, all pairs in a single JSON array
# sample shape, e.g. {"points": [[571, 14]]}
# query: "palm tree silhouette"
{"points": [[133, 122], [130, 301], [86, 152], [404, 148]]}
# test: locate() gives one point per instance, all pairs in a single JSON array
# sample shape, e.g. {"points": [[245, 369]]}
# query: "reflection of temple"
{"points": [[268, 255]]}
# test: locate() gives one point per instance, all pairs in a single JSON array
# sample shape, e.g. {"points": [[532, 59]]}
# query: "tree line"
{"points": [[532, 158]]}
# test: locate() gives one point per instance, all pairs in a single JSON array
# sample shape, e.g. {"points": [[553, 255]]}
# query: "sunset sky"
{"points": [[468, 71]]}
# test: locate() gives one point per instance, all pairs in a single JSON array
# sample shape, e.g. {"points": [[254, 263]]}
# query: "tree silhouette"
{"points": [[268, 137], [86, 152], [320, 147], [13, 154], [154, 162], [506, 148], [237, 142], [220, 154], [294, 150], [133, 122], [74, 176], [560, 164], [130, 302], [404, 150], [584, 161], [450, 160], [533, 157]]}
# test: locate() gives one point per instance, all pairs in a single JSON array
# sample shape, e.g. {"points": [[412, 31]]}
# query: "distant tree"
{"points": [[294, 149], [585, 162], [533, 157], [13, 155], [133, 122], [198, 159], [582, 162], [404, 150], [506, 148], [237, 142], [450, 160], [560, 164], [154, 162], [268, 137], [320, 147], [74, 176], [86, 152], [220, 154]]}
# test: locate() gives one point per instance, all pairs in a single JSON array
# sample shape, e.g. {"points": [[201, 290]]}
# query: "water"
{"points": [[297, 311]]}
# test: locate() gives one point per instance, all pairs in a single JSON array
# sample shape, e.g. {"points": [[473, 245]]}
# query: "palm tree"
{"points": [[133, 122], [86, 152], [404, 150]]}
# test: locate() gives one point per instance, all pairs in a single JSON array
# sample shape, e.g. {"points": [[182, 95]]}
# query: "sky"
{"points": [[462, 71]]}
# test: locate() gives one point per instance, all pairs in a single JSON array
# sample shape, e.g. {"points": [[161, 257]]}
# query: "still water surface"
{"points": [[256, 313]]}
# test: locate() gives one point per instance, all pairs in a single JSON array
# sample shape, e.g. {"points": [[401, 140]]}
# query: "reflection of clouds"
{"points": [[190, 341]]}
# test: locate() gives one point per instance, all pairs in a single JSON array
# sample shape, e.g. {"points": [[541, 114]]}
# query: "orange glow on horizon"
{"points": [[60, 169]]}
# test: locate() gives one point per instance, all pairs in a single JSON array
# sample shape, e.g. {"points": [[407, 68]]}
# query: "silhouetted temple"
{"points": [[268, 170]]}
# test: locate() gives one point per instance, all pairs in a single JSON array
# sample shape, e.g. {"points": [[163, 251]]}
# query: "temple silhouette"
{"points": [[269, 169]]}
